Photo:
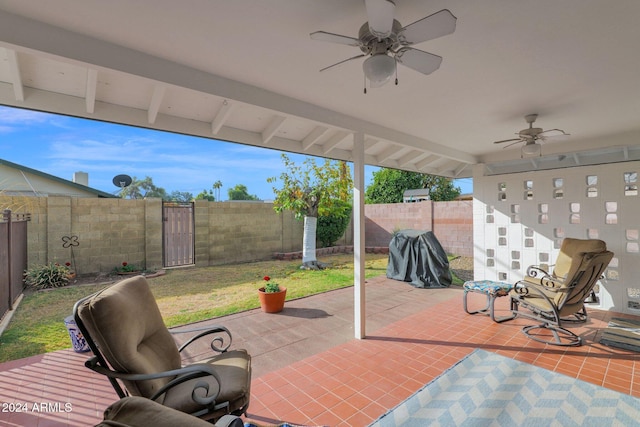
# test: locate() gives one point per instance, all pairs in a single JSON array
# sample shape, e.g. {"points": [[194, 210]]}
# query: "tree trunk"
{"points": [[309, 241], [309, 260]]}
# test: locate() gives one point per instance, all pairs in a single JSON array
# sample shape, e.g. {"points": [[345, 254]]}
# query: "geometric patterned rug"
{"points": [[486, 389]]}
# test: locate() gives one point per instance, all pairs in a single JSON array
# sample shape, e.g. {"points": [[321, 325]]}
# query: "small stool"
{"points": [[492, 290]]}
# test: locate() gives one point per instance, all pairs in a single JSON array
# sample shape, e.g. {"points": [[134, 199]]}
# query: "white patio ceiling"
{"points": [[247, 71]]}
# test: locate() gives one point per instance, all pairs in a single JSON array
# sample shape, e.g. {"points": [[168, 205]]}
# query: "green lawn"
{"points": [[184, 296]]}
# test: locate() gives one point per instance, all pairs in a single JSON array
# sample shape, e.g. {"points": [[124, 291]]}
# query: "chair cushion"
{"points": [[234, 369], [125, 321], [139, 411], [489, 287], [571, 247]]}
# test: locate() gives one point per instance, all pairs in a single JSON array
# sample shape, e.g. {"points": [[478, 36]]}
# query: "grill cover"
{"points": [[417, 257]]}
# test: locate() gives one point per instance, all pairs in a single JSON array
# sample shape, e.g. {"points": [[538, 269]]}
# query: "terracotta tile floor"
{"points": [[309, 370]]}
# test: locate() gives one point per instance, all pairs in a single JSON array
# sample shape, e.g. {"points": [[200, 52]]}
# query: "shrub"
{"points": [[47, 276], [126, 268], [331, 227]]}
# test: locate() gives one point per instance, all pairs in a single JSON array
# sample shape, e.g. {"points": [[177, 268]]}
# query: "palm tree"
{"points": [[217, 186]]}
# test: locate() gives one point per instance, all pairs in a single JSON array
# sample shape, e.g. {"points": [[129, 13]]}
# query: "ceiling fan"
{"points": [[386, 42], [531, 136]]}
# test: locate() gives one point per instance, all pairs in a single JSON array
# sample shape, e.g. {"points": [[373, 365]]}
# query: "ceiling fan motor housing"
{"points": [[530, 132], [372, 45]]}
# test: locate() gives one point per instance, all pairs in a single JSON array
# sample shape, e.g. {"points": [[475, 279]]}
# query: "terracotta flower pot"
{"points": [[272, 302]]}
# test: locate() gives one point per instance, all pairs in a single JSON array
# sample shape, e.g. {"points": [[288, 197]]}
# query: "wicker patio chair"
{"points": [[134, 349]]}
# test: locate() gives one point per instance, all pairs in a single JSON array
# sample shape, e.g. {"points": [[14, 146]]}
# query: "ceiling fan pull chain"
{"points": [[396, 71], [365, 83]]}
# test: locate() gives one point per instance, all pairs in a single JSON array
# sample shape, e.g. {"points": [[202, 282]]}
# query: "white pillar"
{"points": [[358, 236]]}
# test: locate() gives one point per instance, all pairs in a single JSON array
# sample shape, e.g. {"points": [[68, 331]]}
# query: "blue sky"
{"points": [[60, 146]]}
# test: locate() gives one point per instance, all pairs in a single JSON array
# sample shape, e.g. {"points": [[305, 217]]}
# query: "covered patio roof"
{"points": [[247, 71]]}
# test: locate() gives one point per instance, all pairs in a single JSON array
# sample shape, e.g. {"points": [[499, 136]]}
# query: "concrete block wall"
{"points": [[247, 231], [110, 231], [453, 226], [520, 219], [451, 222]]}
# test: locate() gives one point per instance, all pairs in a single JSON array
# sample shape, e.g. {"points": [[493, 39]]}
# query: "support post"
{"points": [[358, 237]]}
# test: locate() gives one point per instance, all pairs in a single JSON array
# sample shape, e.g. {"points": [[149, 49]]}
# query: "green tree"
{"points": [[311, 190], [206, 195], [388, 186], [142, 189], [331, 227], [240, 192], [180, 196]]}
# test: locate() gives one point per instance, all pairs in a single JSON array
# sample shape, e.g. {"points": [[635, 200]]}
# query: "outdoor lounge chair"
{"points": [[132, 346], [555, 298]]}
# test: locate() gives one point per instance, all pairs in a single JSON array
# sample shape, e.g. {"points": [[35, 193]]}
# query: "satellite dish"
{"points": [[122, 181]]}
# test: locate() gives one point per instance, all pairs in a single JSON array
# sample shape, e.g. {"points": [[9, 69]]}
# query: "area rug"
{"points": [[486, 389], [622, 333]]}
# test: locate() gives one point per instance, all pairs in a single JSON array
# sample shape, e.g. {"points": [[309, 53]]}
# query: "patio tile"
{"points": [[312, 371]]}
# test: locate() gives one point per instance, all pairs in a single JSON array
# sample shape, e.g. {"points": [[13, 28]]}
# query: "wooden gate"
{"points": [[178, 234], [13, 257]]}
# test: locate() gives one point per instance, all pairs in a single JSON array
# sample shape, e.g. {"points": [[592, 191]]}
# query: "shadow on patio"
{"points": [[308, 369]]}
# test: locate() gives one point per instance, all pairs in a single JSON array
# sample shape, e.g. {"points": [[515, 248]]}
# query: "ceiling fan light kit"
{"points": [[532, 137], [378, 69], [386, 42], [531, 149]]}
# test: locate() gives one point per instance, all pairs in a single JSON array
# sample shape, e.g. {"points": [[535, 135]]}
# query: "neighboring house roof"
{"points": [[416, 192], [20, 180]]}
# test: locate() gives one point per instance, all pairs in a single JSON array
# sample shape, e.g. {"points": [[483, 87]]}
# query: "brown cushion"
{"points": [[234, 370], [125, 321], [138, 411], [571, 247]]}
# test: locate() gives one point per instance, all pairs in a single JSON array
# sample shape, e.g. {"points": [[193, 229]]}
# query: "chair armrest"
{"points": [[537, 272], [186, 373], [544, 278], [219, 343]]}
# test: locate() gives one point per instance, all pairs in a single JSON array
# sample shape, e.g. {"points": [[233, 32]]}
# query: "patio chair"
{"points": [[133, 347], [134, 411], [569, 248], [551, 299]]}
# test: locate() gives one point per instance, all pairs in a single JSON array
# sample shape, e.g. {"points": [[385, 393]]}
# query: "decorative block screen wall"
{"points": [[520, 220]]}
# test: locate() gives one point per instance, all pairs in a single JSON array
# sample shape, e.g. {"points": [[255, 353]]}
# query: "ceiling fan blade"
{"points": [[335, 38], [433, 26], [509, 140], [513, 143], [557, 137], [556, 132], [423, 62], [342, 62], [380, 15]]}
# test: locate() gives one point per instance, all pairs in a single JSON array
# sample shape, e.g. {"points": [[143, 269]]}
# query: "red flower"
{"points": [[68, 264], [267, 278], [124, 264]]}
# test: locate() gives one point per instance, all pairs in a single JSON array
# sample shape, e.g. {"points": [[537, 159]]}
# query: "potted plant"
{"points": [[272, 296]]}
